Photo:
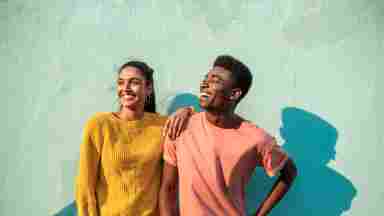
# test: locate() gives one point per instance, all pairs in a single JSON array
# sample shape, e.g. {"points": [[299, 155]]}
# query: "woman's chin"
{"points": [[131, 106]]}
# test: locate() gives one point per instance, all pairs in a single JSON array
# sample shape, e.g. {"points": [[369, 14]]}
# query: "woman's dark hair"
{"points": [[147, 71]]}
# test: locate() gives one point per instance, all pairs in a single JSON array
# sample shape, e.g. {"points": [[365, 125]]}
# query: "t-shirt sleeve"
{"points": [[169, 151], [271, 156]]}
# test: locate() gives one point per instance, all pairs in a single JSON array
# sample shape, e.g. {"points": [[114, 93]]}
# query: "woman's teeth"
{"points": [[128, 96]]}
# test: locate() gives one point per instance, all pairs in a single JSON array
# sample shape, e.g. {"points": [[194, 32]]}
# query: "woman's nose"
{"points": [[127, 86]]}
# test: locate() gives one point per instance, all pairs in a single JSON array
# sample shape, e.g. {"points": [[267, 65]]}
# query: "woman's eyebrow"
{"points": [[131, 78]]}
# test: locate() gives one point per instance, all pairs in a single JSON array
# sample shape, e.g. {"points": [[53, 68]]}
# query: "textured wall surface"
{"points": [[317, 87]]}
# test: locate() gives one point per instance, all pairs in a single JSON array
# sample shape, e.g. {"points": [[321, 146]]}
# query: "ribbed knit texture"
{"points": [[120, 166]]}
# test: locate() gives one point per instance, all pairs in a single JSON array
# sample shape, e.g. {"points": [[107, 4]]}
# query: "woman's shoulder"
{"points": [[155, 118], [99, 118]]}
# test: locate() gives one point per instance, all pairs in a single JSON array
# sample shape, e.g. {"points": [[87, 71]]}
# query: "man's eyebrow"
{"points": [[217, 76]]}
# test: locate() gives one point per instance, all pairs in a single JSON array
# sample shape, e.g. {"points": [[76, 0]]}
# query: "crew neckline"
{"points": [[129, 122], [217, 128]]}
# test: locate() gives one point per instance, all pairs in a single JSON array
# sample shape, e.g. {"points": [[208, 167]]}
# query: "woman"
{"points": [[120, 156]]}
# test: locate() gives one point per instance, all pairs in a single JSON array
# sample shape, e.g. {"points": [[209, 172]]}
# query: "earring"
{"points": [[148, 99]]}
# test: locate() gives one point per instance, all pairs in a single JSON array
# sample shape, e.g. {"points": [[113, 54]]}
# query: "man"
{"points": [[211, 162]]}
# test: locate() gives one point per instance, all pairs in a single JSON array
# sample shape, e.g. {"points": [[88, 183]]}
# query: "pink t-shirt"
{"points": [[214, 165]]}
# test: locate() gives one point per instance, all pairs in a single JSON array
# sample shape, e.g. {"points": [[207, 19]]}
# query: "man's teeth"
{"points": [[204, 95]]}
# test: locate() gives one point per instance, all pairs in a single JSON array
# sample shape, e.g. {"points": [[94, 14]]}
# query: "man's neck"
{"points": [[223, 119]]}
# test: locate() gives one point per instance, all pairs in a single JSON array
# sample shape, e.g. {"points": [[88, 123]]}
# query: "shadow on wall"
{"points": [[184, 100], [180, 100], [318, 190], [69, 210]]}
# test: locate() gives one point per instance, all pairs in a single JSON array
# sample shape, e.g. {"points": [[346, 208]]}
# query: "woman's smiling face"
{"points": [[132, 88]]}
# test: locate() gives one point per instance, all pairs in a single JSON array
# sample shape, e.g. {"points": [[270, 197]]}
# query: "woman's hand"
{"points": [[177, 122]]}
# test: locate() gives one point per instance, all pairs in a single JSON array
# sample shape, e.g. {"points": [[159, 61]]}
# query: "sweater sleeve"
{"points": [[88, 170]]}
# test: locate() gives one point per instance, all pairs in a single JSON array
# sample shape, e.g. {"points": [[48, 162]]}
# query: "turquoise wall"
{"points": [[317, 87]]}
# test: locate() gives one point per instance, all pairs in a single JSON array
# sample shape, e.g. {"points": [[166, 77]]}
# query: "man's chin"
{"points": [[203, 105], [207, 107]]}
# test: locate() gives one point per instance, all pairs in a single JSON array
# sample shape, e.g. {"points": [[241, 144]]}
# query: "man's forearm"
{"points": [[280, 188], [167, 201], [168, 191], [278, 191]]}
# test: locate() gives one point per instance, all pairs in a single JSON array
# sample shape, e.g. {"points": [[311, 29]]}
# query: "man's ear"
{"points": [[235, 94]]}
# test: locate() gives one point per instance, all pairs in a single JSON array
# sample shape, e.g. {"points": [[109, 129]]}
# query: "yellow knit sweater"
{"points": [[120, 166]]}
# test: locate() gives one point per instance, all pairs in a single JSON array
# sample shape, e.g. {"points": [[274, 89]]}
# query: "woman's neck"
{"points": [[130, 115]]}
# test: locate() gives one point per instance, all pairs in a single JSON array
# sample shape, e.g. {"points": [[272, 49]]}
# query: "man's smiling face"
{"points": [[215, 89]]}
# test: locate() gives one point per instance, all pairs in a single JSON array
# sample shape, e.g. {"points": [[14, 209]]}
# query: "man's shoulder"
{"points": [[195, 119], [253, 130], [247, 124], [195, 124]]}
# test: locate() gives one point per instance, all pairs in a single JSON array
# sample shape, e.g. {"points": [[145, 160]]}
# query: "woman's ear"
{"points": [[235, 94]]}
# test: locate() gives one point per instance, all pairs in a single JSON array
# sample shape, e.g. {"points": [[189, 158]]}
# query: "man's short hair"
{"points": [[239, 72]]}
